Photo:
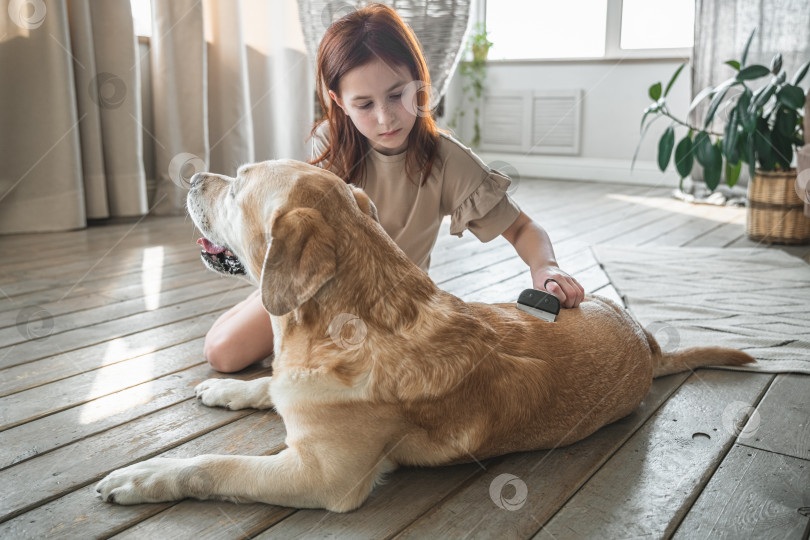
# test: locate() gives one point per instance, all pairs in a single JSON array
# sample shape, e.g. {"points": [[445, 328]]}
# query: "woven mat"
{"points": [[756, 300]]}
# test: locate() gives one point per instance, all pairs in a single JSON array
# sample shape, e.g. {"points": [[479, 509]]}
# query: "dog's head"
{"points": [[274, 224]]}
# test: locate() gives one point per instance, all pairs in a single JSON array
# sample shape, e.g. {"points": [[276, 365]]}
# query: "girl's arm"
{"points": [[534, 246]]}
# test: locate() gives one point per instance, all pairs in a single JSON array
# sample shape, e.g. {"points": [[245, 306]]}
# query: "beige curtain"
{"points": [[803, 161], [179, 95], [69, 125], [282, 84], [226, 83], [108, 87], [231, 85]]}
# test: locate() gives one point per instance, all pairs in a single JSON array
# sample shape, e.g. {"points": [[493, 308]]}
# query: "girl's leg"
{"points": [[240, 337]]}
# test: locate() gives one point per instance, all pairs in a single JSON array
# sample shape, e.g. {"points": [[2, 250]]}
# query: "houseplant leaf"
{"points": [[791, 96], [655, 91], [752, 72], [730, 136], [703, 144], [782, 150], [785, 122], [769, 109], [762, 97], [776, 63], [716, 101], [734, 64], [710, 157], [748, 121], [747, 45], [762, 145], [738, 152], [800, 73], [641, 139], [665, 148], [672, 80], [703, 94], [712, 91], [733, 173], [684, 157], [654, 108], [750, 155], [713, 167]]}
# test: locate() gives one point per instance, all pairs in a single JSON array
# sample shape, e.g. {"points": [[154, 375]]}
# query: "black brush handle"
{"points": [[542, 300]]}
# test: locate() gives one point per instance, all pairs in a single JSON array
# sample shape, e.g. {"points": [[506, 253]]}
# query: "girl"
{"points": [[376, 135]]}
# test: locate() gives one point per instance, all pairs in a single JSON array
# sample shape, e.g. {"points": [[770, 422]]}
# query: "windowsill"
{"points": [[649, 55]]}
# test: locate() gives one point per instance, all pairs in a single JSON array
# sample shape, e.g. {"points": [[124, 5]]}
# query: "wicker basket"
{"points": [[775, 212]]}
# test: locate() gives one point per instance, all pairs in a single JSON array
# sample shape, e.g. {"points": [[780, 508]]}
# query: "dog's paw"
{"points": [[229, 393], [149, 481]]}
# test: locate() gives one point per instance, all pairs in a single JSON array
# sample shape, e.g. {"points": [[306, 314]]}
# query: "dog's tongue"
{"points": [[209, 247]]}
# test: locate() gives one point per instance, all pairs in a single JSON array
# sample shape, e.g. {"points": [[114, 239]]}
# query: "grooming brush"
{"points": [[541, 304]]}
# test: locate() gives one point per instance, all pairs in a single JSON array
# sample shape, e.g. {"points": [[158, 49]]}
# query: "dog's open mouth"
{"points": [[220, 258]]}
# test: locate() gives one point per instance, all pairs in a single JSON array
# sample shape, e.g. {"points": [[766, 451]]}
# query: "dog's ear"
{"points": [[365, 204], [300, 260]]}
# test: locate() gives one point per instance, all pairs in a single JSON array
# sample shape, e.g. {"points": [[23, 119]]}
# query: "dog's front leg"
{"points": [[234, 394], [284, 479]]}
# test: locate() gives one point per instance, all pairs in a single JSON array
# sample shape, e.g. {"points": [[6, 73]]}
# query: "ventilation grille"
{"points": [[501, 115], [531, 122]]}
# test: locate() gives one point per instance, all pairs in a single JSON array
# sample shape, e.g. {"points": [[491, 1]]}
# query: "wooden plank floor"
{"points": [[101, 337]]}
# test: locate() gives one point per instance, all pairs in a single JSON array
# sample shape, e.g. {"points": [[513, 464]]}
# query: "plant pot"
{"points": [[775, 213]]}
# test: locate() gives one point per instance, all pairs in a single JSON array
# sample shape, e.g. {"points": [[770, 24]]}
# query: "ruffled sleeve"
{"points": [[488, 210]]}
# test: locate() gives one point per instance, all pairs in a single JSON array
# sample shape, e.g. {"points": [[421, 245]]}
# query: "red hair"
{"points": [[375, 31]]}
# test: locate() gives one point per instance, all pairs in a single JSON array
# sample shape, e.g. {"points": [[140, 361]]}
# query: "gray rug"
{"points": [[756, 300]]}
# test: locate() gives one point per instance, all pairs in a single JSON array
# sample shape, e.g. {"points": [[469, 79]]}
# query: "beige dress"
{"points": [[460, 186]]}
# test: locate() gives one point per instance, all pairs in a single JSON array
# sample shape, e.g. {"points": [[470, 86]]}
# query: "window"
{"points": [[546, 29], [142, 17], [659, 24]]}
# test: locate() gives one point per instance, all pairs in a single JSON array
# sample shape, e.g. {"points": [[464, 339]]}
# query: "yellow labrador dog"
{"points": [[419, 377]]}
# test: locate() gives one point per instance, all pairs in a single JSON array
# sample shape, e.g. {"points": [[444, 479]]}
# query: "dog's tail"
{"points": [[666, 363]]}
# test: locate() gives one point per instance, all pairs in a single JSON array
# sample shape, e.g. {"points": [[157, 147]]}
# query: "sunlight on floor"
{"points": [[117, 377], [721, 214], [151, 274]]}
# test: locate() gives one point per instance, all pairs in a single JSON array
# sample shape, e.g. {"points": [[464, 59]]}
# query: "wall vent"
{"points": [[531, 122]]}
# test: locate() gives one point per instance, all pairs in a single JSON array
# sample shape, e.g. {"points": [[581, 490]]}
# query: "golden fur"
{"points": [[429, 379]]}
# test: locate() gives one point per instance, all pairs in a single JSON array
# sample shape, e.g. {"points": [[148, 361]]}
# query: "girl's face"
{"points": [[371, 95]]}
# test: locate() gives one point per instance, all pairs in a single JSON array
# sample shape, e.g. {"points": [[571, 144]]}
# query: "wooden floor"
{"points": [[101, 340]]}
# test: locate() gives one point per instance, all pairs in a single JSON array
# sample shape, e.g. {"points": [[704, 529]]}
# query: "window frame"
{"points": [[613, 49]]}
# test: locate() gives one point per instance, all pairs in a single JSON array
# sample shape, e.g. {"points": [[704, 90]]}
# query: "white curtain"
{"points": [[227, 84], [721, 29]]}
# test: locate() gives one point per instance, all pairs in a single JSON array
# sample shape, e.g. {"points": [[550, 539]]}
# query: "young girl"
{"points": [[377, 137]]}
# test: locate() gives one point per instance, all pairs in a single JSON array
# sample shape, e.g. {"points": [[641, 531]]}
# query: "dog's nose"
{"points": [[197, 177]]}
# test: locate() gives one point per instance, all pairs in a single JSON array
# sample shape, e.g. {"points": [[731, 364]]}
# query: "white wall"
{"points": [[614, 98]]}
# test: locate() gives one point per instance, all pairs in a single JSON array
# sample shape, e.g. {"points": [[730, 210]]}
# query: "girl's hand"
{"points": [[560, 284]]}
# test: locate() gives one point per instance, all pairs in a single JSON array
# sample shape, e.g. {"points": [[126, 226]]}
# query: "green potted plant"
{"points": [[762, 127], [474, 73]]}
